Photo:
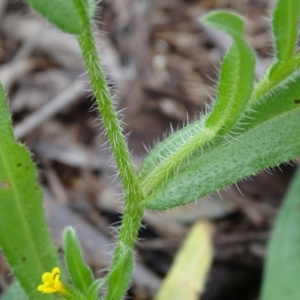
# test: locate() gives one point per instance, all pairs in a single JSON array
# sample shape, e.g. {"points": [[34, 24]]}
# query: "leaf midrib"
{"points": [[77, 263]]}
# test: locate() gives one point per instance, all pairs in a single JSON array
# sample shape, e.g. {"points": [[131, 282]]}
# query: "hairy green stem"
{"points": [[134, 210]]}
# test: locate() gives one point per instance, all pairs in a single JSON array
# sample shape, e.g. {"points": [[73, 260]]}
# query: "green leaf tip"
{"points": [[224, 20], [63, 14], [79, 271]]}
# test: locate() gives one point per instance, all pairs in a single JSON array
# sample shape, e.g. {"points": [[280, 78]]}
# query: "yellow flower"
{"points": [[51, 282]]}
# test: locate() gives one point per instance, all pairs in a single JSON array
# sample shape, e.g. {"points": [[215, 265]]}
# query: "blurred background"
{"points": [[162, 65]]}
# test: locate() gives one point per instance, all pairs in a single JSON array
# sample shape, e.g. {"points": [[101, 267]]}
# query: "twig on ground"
{"points": [[73, 93]]}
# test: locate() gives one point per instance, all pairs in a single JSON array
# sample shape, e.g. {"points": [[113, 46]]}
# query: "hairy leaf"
{"points": [[237, 73], [266, 136], [80, 273], [24, 237], [94, 289], [168, 146], [234, 91], [285, 28], [121, 272], [63, 14], [283, 265]]}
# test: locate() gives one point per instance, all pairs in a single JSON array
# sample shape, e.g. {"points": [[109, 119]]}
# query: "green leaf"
{"points": [[120, 274], [24, 237], [14, 292], [285, 28], [169, 145], [94, 289], [234, 91], [236, 76], [266, 136], [227, 21], [282, 271], [81, 275], [63, 14], [73, 294]]}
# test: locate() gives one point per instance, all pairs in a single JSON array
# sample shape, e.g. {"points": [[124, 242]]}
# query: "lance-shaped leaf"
{"points": [[94, 289], [283, 263], [269, 135], [63, 14], [285, 28], [237, 73], [234, 91], [80, 273], [24, 237], [119, 275]]}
